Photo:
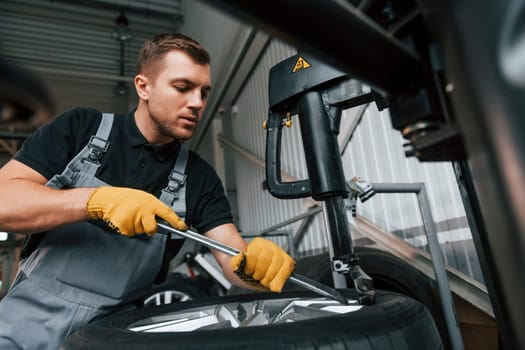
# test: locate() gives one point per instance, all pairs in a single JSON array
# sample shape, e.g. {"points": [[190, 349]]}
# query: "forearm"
{"points": [[30, 207], [228, 235]]}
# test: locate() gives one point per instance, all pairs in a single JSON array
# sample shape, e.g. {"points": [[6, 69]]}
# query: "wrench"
{"points": [[303, 281]]}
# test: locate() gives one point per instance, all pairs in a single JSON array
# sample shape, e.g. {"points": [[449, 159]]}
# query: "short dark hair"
{"points": [[159, 45]]}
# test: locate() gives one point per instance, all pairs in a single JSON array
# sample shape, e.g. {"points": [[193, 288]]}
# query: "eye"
{"points": [[181, 88]]}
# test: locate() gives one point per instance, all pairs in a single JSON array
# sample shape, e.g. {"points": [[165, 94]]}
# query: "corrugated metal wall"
{"points": [[374, 153]]}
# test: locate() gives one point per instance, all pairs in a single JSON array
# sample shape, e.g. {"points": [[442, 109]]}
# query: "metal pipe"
{"points": [[338, 231], [397, 187], [340, 228], [300, 232], [340, 40], [439, 269], [306, 214], [347, 137], [438, 262]]}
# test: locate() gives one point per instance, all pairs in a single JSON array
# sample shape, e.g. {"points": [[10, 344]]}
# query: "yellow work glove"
{"points": [[263, 263], [130, 211]]}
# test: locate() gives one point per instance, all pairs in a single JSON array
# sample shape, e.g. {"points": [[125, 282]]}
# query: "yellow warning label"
{"points": [[301, 63]]}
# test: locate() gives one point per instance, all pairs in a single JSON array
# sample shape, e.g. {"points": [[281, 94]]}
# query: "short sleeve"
{"points": [[49, 149]]}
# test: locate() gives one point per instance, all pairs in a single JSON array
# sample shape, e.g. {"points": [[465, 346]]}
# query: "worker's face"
{"points": [[177, 95]]}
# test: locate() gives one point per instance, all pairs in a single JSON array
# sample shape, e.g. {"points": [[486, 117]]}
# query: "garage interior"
{"points": [[84, 53]]}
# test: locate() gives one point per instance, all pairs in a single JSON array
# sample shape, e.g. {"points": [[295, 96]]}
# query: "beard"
{"points": [[172, 133]]}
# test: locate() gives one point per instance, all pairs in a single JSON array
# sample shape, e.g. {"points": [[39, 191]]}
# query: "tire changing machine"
{"points": [[301, 85]]}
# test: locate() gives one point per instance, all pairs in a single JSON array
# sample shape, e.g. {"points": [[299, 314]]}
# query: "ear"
{"points": [[142, 86]]}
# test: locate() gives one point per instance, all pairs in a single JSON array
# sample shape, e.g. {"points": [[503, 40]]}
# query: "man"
{"points": [[90, 211]]}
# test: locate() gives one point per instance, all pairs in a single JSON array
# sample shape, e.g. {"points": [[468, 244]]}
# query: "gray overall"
{"points": [[82, 271]]}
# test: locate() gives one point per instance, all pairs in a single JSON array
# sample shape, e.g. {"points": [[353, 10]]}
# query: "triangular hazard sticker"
{"points": [[301, 63]]}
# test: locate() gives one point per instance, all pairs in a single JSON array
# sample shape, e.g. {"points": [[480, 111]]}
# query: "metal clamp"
{"points": [[340, 264], [348, 265], [97, 146], [175, 183]]}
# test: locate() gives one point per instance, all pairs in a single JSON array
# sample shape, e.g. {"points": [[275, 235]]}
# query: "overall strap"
{"points": [[87, 161], [174, 194], [98, 145]]}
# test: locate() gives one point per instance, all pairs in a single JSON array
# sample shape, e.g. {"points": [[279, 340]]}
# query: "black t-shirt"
{"points": [[129, 162]]}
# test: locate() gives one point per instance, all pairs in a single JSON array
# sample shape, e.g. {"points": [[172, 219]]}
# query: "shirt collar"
{"points": [[132, 132], [166, 151], [136, 139]]}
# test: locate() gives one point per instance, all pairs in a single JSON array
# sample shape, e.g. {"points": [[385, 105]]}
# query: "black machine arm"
{"points": [[318, 94]]}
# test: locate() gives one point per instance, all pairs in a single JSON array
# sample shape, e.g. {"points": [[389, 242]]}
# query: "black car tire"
{"points": [[393, 322], [393, 274], [388, 273]]}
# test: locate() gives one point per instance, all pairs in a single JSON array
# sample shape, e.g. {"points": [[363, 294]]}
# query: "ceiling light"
{"points": [[121, 31]]}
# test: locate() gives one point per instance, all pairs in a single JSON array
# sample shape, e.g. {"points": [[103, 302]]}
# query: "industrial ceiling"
{"points": [[85, 50]]}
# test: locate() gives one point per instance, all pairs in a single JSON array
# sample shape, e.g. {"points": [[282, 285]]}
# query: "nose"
{"points": [[195, 100]]}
